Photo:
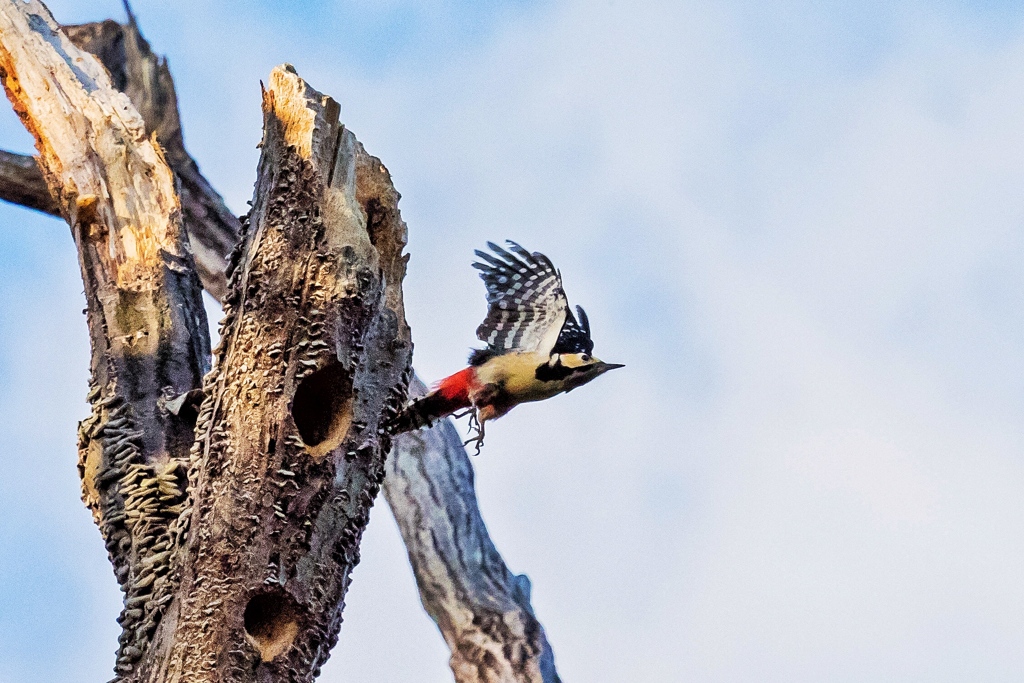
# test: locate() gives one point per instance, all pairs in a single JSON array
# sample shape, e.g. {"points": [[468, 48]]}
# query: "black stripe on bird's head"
{"points": [[573, 369]]}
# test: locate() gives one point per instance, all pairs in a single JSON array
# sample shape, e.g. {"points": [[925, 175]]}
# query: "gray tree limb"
{"points": [[21, 182], [482, 608]]}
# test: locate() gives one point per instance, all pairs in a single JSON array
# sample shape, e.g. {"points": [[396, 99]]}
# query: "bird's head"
{"points": [[582, 368]]}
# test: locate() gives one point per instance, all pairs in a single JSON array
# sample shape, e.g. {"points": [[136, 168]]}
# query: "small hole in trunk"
{"points": [[322, 408], [272, 622]]}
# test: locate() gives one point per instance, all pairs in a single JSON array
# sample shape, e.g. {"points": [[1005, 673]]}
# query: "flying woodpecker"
{"points": [[536, 347]]}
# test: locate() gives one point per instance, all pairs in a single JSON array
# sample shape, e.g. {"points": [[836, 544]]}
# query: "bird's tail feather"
{"points": [[424, 412]]}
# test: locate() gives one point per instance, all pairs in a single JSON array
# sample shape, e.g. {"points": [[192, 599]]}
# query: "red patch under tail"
{"points": [[450, 395]]}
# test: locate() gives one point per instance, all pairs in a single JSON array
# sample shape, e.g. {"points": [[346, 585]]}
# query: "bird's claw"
{"points": [[475, 426], [478, 441]]}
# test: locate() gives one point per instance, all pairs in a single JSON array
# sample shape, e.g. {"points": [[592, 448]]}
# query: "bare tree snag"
{"points": [[290, 447], [482, 608], [146, 319]]}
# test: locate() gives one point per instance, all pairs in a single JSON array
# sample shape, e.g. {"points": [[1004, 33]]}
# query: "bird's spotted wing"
{"points": [[575, 336], [526, 306]]}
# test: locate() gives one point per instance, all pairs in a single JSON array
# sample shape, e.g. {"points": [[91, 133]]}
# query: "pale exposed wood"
{"points": [[135, 70], [146, 79], [482, 608], [290, 447], [146, 320]]}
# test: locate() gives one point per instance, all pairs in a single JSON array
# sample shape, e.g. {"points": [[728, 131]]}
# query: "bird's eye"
{"points": [[585, 358]]}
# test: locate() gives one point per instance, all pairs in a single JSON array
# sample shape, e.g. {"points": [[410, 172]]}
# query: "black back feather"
{"points": [[481, 356], [575, 336]]}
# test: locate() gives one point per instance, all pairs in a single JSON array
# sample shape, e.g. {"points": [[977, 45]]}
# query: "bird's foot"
{"points": [[477, 427]]}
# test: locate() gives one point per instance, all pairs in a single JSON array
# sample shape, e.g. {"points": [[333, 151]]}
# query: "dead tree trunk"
{"points": [[245, 577], [290, 452], [481, 607], [137, 72]]}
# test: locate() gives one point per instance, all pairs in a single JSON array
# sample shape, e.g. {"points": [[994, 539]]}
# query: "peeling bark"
{"points": [[146, 320], [482, 608], [290, 446]]}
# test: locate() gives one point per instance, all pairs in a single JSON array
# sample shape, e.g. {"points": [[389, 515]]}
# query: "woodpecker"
{"points": [[536, 347]]}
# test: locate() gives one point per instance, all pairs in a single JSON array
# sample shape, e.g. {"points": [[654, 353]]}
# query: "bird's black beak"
{"points": [[605, 367]]}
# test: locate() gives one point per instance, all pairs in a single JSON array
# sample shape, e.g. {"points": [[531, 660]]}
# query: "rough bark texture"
{"points": [[290, 447], [482, 608], [134, 70], [146, 319]]}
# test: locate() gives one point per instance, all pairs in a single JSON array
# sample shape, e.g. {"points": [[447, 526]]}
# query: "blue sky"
{"points": [[798, 224]]}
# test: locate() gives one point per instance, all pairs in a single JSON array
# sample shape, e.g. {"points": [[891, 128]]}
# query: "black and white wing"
{"points": [[526, 307]]}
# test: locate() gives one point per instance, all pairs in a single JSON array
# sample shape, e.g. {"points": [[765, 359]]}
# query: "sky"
{"points": [[799, 224]]}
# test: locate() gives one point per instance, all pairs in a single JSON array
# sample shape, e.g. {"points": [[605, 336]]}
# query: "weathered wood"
{"points": [[482, 608], [147, 324], [290, 447], [135, 70], [146, 79]]}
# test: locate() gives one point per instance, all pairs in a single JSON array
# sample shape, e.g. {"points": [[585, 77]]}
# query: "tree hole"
{"points": [[271, 623], [322, 409]]}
